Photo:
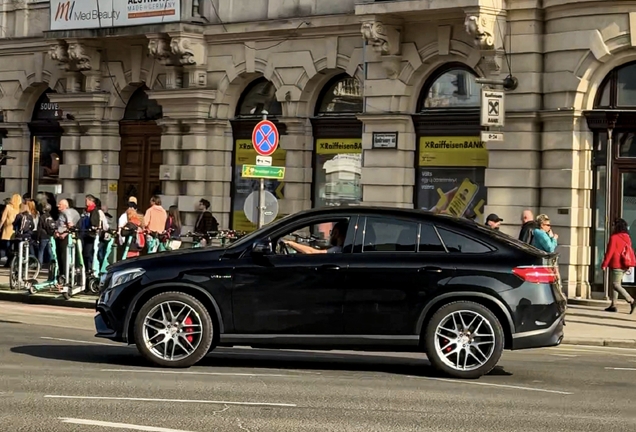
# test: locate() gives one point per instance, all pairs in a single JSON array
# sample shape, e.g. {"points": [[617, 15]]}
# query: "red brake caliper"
{"points": [[449, 349], [187, 323]]}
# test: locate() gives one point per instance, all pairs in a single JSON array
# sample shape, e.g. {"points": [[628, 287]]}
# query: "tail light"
{"points": [[538, 275]]}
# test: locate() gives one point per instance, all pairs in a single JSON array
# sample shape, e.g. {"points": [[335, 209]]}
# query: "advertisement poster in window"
{"points": [[245, 154], [451, 176], [338, 172]]}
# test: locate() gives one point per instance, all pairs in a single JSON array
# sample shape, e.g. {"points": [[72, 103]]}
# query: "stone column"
{"points": [[17, 144], [566, 182], [388, 175], [299, 146]]}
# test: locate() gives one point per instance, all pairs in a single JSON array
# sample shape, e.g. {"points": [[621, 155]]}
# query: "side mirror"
{"points": [[262, 247]]}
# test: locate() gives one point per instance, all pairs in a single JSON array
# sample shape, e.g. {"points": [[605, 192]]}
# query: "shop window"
{"points": [[259, 96], [46, 154], [338, 133]]}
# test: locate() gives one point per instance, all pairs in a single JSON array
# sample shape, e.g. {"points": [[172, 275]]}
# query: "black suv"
{"points": [[355, 278]]}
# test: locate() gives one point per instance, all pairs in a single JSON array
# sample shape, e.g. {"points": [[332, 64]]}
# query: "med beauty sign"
{"points": [[91, 14]]}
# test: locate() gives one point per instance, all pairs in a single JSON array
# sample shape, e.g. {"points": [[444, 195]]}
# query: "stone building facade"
{"points": [[168, 107]]}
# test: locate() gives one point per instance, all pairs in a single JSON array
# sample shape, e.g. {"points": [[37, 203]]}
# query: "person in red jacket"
{"points": [[618, 242]]}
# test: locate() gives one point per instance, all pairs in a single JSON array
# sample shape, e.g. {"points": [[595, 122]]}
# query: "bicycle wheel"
{"points": [[34, 268], [13, 274]]}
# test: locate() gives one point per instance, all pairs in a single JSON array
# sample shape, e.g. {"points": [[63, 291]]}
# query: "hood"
{"points": [[624, 237], [168, 258]]}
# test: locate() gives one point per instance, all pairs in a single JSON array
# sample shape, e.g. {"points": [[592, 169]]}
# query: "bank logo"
{"points": [[65, 10]]}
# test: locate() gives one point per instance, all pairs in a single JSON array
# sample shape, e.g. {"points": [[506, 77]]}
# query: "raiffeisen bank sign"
{"points": [[90, 14]]}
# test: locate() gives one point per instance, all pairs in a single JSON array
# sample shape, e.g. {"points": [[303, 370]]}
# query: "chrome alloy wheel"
{"points": [[172, 330], [464, 340]]}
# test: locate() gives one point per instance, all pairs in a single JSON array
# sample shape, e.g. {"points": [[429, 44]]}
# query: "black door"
{"points": [[291, 294], [390, 277]]}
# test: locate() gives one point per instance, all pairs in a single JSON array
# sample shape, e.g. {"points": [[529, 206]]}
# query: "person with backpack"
{"points": [[619, 258], [24, 227], [45, 230], [133, 229], [206, 222], [90, 222]]}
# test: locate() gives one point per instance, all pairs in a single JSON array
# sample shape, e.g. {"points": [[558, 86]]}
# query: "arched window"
{"points": [[618, 90], [452, 86], [259, 96], [341, 95], [141, 108]]}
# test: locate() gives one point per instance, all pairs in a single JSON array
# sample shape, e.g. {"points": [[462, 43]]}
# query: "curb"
{"points": [[613, 343], [43, 299], [588, 302]]}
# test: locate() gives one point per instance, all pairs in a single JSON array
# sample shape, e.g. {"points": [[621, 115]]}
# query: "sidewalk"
{"points": [[585, 325]]}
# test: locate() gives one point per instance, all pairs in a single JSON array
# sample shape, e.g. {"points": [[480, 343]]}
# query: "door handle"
{"points": [[431, 269], [327, 267]]}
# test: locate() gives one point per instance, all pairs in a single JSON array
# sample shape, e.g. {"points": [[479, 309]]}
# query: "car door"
{"points": [[291, 294], [395, 265]]}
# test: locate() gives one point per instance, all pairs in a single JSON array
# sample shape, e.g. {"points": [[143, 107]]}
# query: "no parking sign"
{"points": [[265, 138]]}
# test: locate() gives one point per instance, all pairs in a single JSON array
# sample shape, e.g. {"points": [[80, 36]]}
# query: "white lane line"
{"points": [[117, 425], [200, 373], [192, 401], [564, 355], [496, 385], [80, 341], [620, 369], [598, 350]]}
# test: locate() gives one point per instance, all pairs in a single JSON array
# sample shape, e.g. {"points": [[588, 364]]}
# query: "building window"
{"points": [[338, 135], [452, 159], [618, 90], [46, 154], [259, 96]]}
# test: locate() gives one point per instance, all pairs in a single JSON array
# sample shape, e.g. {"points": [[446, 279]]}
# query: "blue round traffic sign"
{"points": [[265, 138]]}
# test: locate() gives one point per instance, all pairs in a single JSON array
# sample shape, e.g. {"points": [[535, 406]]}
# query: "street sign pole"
{"points": [[261, 196]]}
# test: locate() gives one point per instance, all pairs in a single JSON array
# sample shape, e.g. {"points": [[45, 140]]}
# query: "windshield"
{"points": [[251, 236]]}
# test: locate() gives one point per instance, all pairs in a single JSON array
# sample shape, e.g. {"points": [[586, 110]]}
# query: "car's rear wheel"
{"points": [[464, 340], [173, 329]]}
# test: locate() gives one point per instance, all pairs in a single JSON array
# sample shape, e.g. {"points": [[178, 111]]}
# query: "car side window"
{"points": [[429, 240], [389, 235], [333, 235], [458, 243]]}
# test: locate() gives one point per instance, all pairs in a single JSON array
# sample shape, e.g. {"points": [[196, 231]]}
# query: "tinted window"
{"points": [[458, 243], [389, 235], [429, 240]]}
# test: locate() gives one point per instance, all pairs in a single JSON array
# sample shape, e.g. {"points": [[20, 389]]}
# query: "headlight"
{"points": [[124, 276]]}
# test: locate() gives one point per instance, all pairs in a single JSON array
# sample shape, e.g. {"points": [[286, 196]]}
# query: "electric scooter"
{"points": [[24, 266], [152, 240], [52, 282], [98, 269], [73, 281]]}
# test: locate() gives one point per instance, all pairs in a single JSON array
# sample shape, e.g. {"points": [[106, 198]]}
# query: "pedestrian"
{"points": [[619, 258], [6, 224], [528, 225], [133, 230], [493, 221], [173, 227], [156, 216], [68, 217], [35, 214], [543, 237], [24, 227], [206, 222], [123, 219], [45, 229], [90, 222]]}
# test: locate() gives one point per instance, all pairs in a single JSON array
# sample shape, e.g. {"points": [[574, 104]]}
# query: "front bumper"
{"points": [[549, 337]]}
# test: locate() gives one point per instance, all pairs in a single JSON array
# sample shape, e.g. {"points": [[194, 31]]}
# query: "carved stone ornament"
{"points": [[159, 49], [384, 39], [77, 54], [481, 28], [392, 66], [182, 48], [59, 53]]}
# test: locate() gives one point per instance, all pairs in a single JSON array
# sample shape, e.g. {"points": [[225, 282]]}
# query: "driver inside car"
{"points": [[336, 240]]}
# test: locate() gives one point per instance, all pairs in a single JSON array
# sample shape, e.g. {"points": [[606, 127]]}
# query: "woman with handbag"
{"points": [[619, 258]]}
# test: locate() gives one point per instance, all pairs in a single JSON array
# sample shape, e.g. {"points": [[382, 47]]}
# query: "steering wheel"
{"points": [[282, 248]]}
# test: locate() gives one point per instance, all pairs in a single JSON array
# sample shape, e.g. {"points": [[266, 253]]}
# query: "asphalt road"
{"points": [[56, 377]]}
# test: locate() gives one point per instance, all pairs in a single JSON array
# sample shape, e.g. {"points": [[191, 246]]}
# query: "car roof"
{"points": [[375, 210]]}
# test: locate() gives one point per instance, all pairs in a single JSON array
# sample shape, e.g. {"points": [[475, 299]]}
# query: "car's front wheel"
{"points": [[173, 329], [464, 339]]}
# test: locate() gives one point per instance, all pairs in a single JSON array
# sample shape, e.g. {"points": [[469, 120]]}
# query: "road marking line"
{"points": [[271, 404], [80, 341], [564, 355], [497, 385], [199, 373], [621, 369], [117, 425], [599, 350]]}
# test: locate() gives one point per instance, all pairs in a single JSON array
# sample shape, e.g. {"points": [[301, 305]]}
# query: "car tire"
{"points": [[469, 350], [190, 346]]}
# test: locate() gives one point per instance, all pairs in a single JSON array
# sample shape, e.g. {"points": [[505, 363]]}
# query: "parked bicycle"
{"points": [[24, 266]]}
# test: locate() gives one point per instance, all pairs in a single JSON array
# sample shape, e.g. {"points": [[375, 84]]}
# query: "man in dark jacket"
{"points": [[527, 226], [90, 230]]}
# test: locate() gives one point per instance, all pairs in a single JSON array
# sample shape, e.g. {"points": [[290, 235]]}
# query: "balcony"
{"points": [[422, 10]]}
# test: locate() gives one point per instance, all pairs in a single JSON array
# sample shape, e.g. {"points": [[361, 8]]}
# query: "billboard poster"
{"points": [[338, 172], [451, 176], [244, 154], [84, 14]]}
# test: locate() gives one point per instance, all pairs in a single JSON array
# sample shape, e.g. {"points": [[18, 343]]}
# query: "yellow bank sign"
{"points": [[456, 151]]}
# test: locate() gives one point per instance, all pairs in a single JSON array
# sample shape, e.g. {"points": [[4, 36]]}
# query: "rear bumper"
{"points": [[549, 337]]}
